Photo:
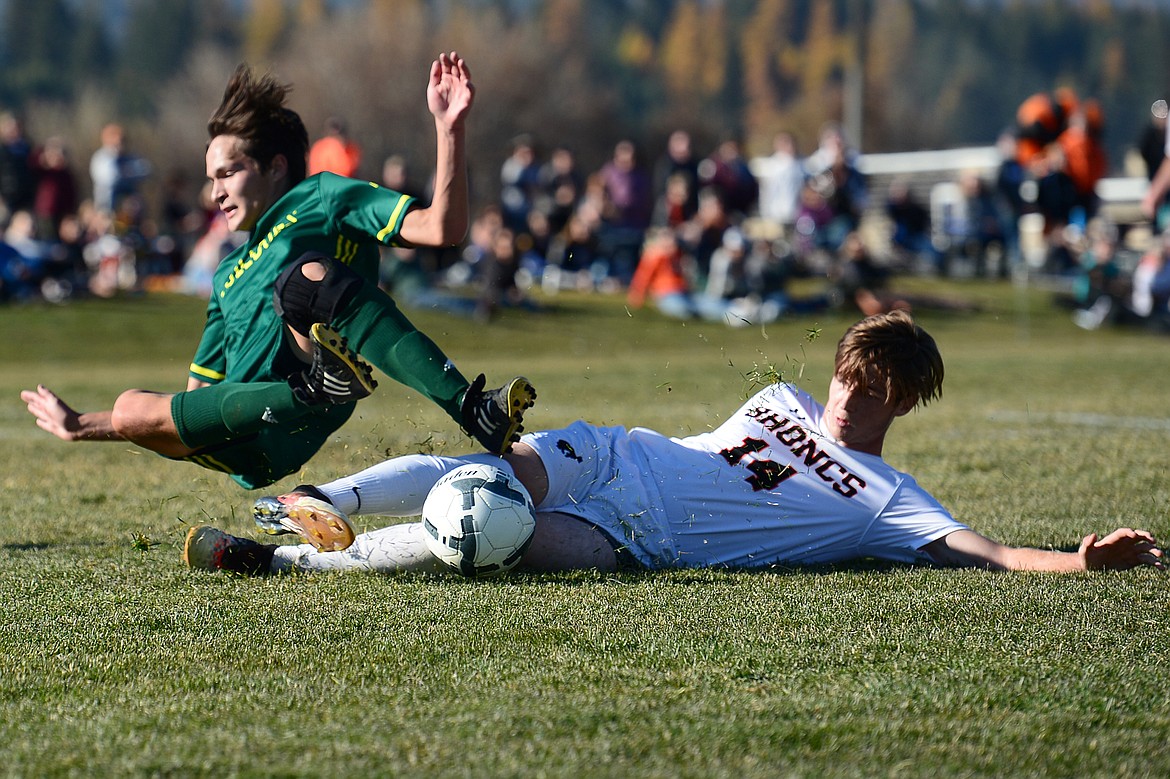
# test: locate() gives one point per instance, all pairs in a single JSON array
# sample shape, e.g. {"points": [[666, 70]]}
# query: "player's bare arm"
{"points": [[450, 94], [55, 416], [1121, 550]]}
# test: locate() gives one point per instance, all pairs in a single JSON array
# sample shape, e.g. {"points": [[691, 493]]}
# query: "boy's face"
{"points": [[858, 417], [241, 190]]}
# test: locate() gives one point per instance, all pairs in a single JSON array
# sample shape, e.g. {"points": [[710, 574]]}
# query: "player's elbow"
{"points": [[425, 227]]}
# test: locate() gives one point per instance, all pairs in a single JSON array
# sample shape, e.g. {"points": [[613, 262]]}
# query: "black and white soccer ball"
{"points": [[478, 520]]}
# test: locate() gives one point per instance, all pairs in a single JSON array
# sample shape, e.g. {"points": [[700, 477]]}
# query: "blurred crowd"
{"points": [[696, 233], [60, 241]]}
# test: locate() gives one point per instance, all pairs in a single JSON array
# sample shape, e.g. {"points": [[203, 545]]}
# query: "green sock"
{"points": [[382, 334], [221, 412]]}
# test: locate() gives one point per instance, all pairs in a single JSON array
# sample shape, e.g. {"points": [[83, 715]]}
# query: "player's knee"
{"points": [[134, 413], [123, 414], [312, 289]]}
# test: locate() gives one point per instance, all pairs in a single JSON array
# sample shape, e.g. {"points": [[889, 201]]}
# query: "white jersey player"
{"points": [[783, 481]]}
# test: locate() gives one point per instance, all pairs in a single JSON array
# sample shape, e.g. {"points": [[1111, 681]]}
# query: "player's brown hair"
{"points": [[253, 109], [890, 351]]}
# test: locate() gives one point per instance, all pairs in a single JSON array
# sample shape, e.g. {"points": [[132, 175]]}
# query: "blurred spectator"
{"points": [[573, 257], [748, 283], [109, 259], [17, 277], [25, 259], [769, 266], [628, 204], [1056, 197], [114, 172], [1100, 286], [561, 186], [910, 225], [859, 283], [21, 234], [402, 276], [839, 181], [727, 171], [678, 160], [661, 278], [17, 167], [814, 217], [1040, 120], [672, 208], [703, 234], [1086, 162], [183, 219], [497, 282], [396, 175], [982, 234], [335, 151], [480, 238], [67, 275], [216, 242], [1010, 178], [1150, 297], [781, 176], [728, 278], [832, 147], [532, 247], [56, 194], [519, 182]]}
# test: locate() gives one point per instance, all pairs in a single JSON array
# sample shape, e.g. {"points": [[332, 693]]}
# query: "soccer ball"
{"points": [[478, 520]]}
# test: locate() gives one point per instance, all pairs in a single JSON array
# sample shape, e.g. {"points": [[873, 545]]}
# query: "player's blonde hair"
{"points": [[890, 351]]}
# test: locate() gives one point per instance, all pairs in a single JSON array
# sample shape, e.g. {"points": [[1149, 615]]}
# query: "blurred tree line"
{"points": [[925, 73]]}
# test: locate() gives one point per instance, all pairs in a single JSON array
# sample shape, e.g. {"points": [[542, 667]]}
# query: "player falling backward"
{"points": [[275, 372], [785, 480]]}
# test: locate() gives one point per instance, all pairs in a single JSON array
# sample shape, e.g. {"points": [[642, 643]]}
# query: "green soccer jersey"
{"points": [[343, 218]]}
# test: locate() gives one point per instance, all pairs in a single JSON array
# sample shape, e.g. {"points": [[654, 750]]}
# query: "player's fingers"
{"points": [[461, 65]]}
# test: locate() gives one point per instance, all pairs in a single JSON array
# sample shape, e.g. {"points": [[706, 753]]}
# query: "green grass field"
{"points": [[115, 660]]}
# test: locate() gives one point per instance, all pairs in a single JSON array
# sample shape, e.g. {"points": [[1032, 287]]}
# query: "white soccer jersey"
{"points": [[766, 487]]}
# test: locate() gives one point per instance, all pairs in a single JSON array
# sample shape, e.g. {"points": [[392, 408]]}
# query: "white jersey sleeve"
{"points": [[768, 486]]}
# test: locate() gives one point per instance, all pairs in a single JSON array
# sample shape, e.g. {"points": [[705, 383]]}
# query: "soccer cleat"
{"points": [[337, 374], [307, 512], [495, 418], [210, 549]]}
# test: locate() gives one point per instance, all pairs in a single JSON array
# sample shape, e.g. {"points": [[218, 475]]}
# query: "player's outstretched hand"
{"points": [[52, 413], [450, 92], [1120, 550]]}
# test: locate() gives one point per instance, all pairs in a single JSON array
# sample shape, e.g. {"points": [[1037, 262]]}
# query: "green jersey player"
{"points": [[278, 369]]}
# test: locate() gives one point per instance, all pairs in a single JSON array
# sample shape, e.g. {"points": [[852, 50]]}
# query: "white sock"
{"points": [[398, 487], [387, 550]]}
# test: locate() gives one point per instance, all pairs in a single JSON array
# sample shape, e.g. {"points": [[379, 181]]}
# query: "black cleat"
{"points": [[495, 418], [337, 374]]}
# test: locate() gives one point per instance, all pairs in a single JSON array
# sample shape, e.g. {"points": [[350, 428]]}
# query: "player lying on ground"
{"points": [[274, 375], [783, 481]]}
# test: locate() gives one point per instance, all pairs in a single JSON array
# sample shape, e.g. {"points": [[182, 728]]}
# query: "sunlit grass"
{"points": [[116, 660]]}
